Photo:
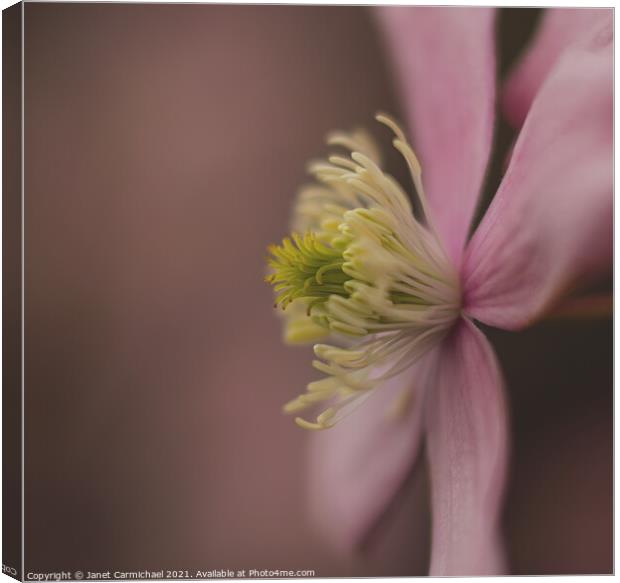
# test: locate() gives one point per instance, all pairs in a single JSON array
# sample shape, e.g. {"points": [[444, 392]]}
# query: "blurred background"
{"points": [[164, 145]]}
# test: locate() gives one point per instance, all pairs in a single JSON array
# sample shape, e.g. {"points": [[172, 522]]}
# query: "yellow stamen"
{"points": [[366, 268]]}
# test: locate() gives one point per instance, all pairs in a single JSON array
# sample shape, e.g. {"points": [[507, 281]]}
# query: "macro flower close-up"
{"points": [[388, 279], [307, 291]]}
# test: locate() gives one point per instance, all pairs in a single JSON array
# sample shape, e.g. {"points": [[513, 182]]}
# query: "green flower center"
{"points": [[303, 267]]}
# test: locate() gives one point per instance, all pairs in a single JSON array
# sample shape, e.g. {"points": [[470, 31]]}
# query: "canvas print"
{"points": [[297, 291]]}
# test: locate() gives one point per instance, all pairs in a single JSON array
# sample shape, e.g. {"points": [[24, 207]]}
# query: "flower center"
{"points": [[365, 269], [306, 268]]}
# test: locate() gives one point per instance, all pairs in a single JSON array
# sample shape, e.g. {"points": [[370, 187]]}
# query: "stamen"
{"points": [[367, 269]]}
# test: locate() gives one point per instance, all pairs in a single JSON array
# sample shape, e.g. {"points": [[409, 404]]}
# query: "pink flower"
{"points": [[547, 230]]}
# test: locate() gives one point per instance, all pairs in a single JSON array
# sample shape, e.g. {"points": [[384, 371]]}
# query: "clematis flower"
{"points": [[392, 289]]}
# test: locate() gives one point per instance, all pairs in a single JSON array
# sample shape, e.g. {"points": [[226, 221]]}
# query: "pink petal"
{"points": [[559, 28], [550, 224], [358, 466], [445, 64], [467, 449]]}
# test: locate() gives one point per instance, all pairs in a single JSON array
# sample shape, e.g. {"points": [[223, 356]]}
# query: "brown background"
{"points": [[163, 148]]}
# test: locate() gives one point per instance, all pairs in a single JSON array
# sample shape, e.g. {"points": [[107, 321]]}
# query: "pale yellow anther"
{"points": [[390, 123], [315, 397], [294, 406], [344, 328], [412, 159], [309, 425]]}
